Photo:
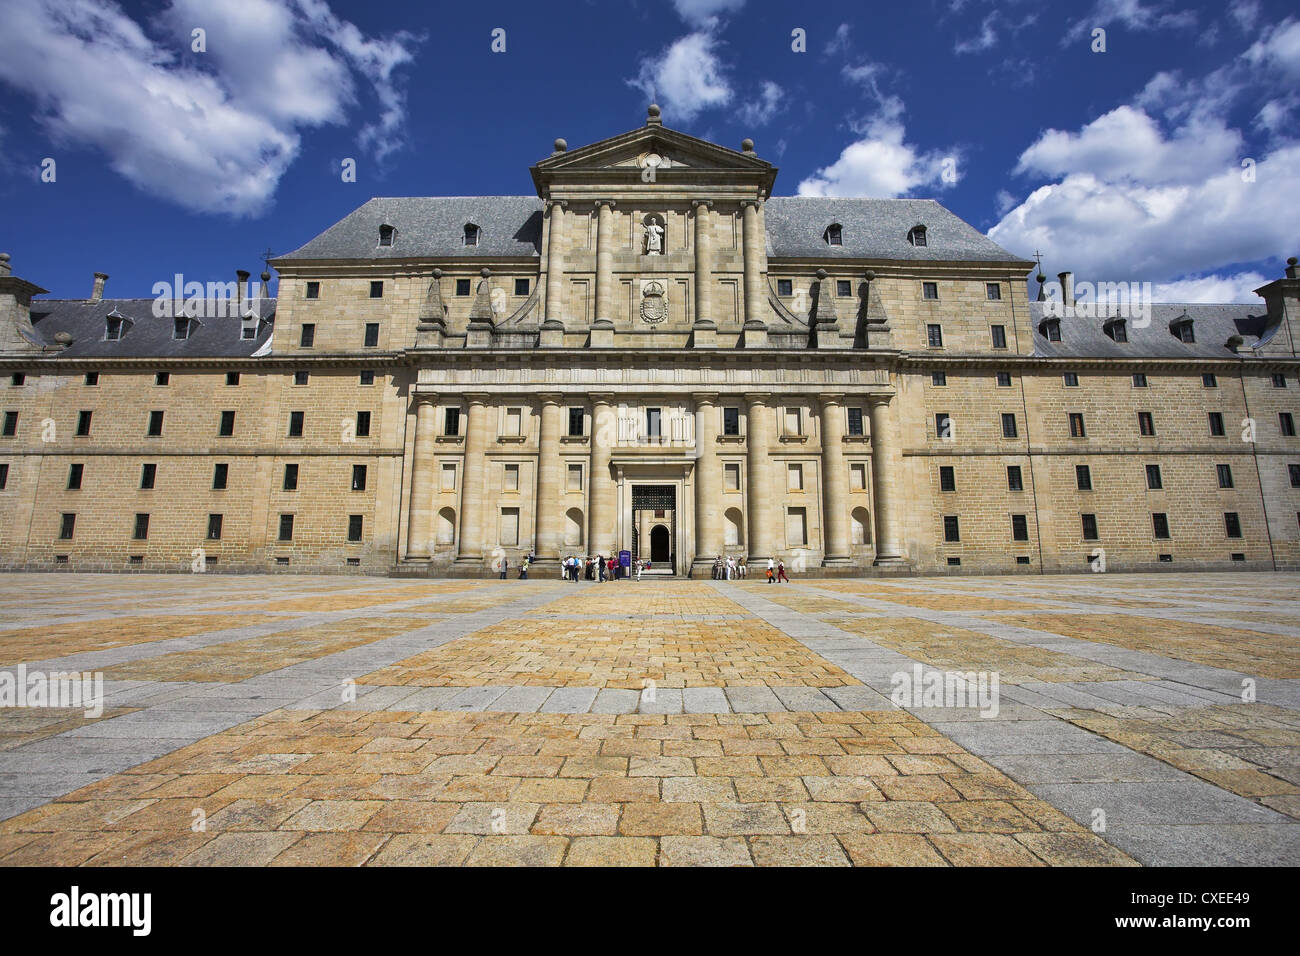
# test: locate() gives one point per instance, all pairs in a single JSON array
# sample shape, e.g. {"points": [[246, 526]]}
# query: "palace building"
{"points": [[655, 354]]}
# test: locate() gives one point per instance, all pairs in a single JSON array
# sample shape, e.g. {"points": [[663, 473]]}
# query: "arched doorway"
{"points": [[660, 545]]}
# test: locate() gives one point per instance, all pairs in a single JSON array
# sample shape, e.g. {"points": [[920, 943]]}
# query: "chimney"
{"points": [[1067, 288], [1282, 299], [97, 290], [1291, 268], [241, 280]]}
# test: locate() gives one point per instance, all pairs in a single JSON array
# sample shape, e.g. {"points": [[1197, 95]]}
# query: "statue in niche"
{"points": [[654, 237]]}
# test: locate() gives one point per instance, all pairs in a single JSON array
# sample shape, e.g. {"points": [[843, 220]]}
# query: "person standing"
{"points": [[523, 568], [505, 566]]}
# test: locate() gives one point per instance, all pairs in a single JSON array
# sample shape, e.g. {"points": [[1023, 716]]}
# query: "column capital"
{"points": [[601, 398], [705, 398], [477, 398], [758, 398], [697, 203], [750, 203], [611, 203], [550, 398], [562, 203], [831, 398], [875, 401], [425, 398]]}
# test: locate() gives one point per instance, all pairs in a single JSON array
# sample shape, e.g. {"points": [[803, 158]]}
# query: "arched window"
{"points": [[446, 526], [573, 528], [471, 234], [916, 236], [732, 524], [834, 234], [386, 234], [861, 526]]}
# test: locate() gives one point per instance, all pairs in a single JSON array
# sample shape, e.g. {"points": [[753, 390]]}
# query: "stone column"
{"points": [[753, 249], [604, 260], [760, 535], [884, 461], [604, 432], [473, 502], [555, 262], [703, 261], [708, 483], [550, 475], [835, 482], [419, 525]]}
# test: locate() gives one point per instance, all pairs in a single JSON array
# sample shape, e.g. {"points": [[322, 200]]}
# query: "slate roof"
{"points": [[1212, 325], [148, 336], [434, 227], [431, 226], [875, 229]]}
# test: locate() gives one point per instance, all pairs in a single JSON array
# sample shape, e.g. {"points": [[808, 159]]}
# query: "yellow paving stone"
{"points": [[743, 819], [331, 849], [1074, 849], [890, 849], [150, 848], [28, 644], [333, 815], [623, 789], [611, 851], [411, 816], [518, 851], [704, 851], [698, 789], [69, 848], [425, 849], [983, 849], [908, 816], [255, 814], [987, 816], [547, 790], [659, 819], [242, 849], [577, 819], [811, 850]]}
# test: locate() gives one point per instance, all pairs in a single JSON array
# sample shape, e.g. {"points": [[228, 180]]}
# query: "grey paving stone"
{"points": [[1174, 802], [1209, 844], [430, 698], [855, 697], [570, 700], [475, 698], [1083, 768], [664, 700], [753, 700], [616, 700], [523, 700], [804, 699], [705, 700], [984, 737]]}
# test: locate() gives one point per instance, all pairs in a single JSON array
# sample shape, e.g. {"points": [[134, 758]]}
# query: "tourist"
{"points": [[771, 571], [523, 568], [505, 566], [743, 569], [780, 572]]}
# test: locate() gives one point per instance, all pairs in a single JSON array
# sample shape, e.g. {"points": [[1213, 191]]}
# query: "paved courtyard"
{"points": [[295, 720]]}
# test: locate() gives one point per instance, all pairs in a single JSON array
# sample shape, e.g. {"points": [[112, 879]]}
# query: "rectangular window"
{"points": [[313, 290], [510, 527], [514, 421], [232, 378], [1279, 381], [149, 474], [1160, 524], [291, 477], [367, 377], [796, 528], [74, 476], [947, 478], [934, 336], [1071, 379], [1146, 424], [83, 423], [162, 378], [1019, 528], [354, 527], [301, 378], [794, 477], [939, 379], [793, 421], [1008, 425], [358, 477], [1216, 424], [929, 290], [1015, 481], [451, 422], [377, 289], [307, 337], [521, 287], [1076, 425], [575, 477], [999, 336], [363, 424], [511, 477], [784, 287], [1004, 379], [1083, 477], [155, 423], [858, 476], [1209, 380], [993, 291], [449, 476], [295, 424], [855, 421], [67, 524], [1232, 524], [1139, 380], [576, 424], [4, 474], [1286, 423], [1225, 476], [951, 528], [1089, 527], [92, 379], [181, 328], [731, 474], [214, 527], [227, 427], [843, 288], [942, 425], [10, 428], [141, 531], [220, 475], [17, 379], [1292, 470], [372, 335], [286, 527], [731, 421], [652, 422], [1154, 482], [462, 287]]}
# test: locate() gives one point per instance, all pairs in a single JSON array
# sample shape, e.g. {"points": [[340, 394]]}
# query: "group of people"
{"points": [[599, 568], [602, 569], [736, 569]]}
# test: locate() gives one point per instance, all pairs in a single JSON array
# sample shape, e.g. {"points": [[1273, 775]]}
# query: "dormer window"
{"points": [[386, 233], [1181, 327], [834, 235], [916, 236], [181, 327], [471, 234], [1117, 329], [114, 326], [1051, 329]]}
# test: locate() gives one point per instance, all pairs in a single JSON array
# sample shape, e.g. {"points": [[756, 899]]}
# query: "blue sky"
{"points": [[1123, 164]]}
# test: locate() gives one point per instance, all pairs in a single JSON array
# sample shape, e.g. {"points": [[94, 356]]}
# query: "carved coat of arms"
{"points": [[654, 303]]}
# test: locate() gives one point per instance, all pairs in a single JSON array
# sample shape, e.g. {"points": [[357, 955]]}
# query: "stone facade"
{"points": [[653, 355]]}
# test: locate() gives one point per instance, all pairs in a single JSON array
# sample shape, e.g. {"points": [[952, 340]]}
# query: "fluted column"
{"points": [[604, 260], [473, 501], [752, 239], [604, 433], [708, 482], [419, 525], [760, 536], [555, 262], [835, 481], [884, 461], [549, 477], [703, 262]]}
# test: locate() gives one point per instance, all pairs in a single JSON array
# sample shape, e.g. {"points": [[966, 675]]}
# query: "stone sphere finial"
{"points": [[266, 276], [654, 112], [869, 275], [747, 145], [822, 273], [437, 273], [1040, 277], [485, 272], [1291, 261], [561, 145]]}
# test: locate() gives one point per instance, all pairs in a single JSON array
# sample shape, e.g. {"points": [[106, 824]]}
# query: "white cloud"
{"points": [[839, 42], [686, 78], [1246, 14], [704, 13], [1230, 288], [986, 39], [1132, 14], [210, 131], [1280, 50], [881, 164], [760, 111]]}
